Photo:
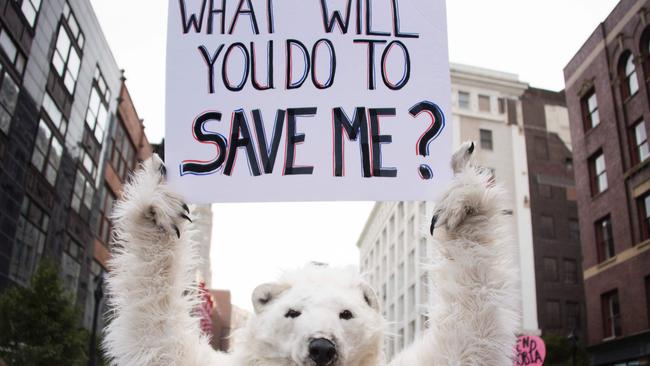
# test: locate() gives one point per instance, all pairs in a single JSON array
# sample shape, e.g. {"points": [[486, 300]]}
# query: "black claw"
{"points": [[178, 232], [186, 217], [434, 219], [471, 148], [187, 209]]}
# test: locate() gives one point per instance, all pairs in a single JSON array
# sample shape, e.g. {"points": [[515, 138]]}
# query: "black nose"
{"points": [[322, 351]]}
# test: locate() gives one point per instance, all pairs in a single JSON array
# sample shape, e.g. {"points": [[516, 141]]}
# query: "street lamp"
{"points": [[99, 294]]}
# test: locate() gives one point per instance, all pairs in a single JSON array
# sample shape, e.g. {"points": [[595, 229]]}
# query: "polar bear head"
{"points": [[315, 316]]}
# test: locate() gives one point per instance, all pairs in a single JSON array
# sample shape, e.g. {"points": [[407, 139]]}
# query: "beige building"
{"points": [[487, 109]]}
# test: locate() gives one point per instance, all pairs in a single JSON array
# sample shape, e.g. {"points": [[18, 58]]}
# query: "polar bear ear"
{"points": [[369, 296], [265, 293]]}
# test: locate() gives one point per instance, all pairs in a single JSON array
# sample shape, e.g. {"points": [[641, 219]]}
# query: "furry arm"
{"points": [[474, 314], [150, 279]]}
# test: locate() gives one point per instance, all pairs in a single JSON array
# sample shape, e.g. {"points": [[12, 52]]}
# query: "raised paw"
{"points": [[151, 205], [468, 197]]}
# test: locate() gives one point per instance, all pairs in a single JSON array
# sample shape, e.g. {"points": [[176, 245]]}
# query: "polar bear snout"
{"points": [[322, 351]]}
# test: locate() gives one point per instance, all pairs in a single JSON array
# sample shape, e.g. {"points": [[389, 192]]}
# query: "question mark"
{"points": [[431, 133]]}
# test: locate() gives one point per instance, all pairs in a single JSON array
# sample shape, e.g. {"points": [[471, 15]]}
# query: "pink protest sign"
{"points": [[530, 351]]}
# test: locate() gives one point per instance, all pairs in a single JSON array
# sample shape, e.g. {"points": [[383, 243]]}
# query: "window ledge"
{"points": [[630, 97], [590, 131], [643, 245], [607, 262], [608, 339], [636, 168], [599, 194]]}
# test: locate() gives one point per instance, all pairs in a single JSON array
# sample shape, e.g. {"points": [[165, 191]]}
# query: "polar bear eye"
{"points": [[346, 315], [292, 314]]}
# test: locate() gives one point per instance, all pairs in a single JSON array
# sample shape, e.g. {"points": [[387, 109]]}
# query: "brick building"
{"points": [[609, 101], [554, 212], [60, 88]]}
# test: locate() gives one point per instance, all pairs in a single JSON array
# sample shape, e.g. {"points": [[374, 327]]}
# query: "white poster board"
{"points": [[305, 100]]}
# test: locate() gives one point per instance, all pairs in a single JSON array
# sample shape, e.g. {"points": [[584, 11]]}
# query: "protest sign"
{"points": [[530, 351], [302, 100]]}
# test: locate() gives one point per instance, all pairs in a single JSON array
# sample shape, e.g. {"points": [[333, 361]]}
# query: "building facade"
{"points": [[486, 109], [608, 98], [60, 88], [554, 212]]}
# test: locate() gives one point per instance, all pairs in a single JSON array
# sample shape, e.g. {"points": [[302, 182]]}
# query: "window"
{"points": [[630, 84], [553, 314], [71, 260], [486, 139], [502, 105], [107, 200], [67, 55], [643, 208], [570, 271], [611, 314], [97, 113], [547, 227], [82, 196], [590, 110], [550, 269], [30, 240], [484, 103], [463, 100], [88, 164], [29, 9], [11, 50], [574, 229], [573, 315], [604, 239], [639, 143], [122, 151], [54, 114], [8, 98], [411, 331], [47, 153], [598, 173]]}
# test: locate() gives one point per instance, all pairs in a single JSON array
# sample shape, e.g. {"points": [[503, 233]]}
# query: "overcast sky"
{"points": [[252, 242]]}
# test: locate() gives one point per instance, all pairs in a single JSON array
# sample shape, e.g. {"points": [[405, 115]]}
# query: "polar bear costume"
{"points": [[316, 316]]}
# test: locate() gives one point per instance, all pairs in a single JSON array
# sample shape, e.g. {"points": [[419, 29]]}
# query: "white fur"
{"points": [[473, 321]]}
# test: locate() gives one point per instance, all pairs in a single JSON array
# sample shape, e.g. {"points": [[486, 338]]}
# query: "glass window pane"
{"points": [[74, 27], [633, 83], [43, 137], [9, 93], [63, 43], [56, 151], [94, 102], [38, 159], [600, 164], [73, 63], [50, 174], [29, 12], [592, 103], [8, 46], [629, 66], [602, 182], [640, 133], [69, 82]]}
